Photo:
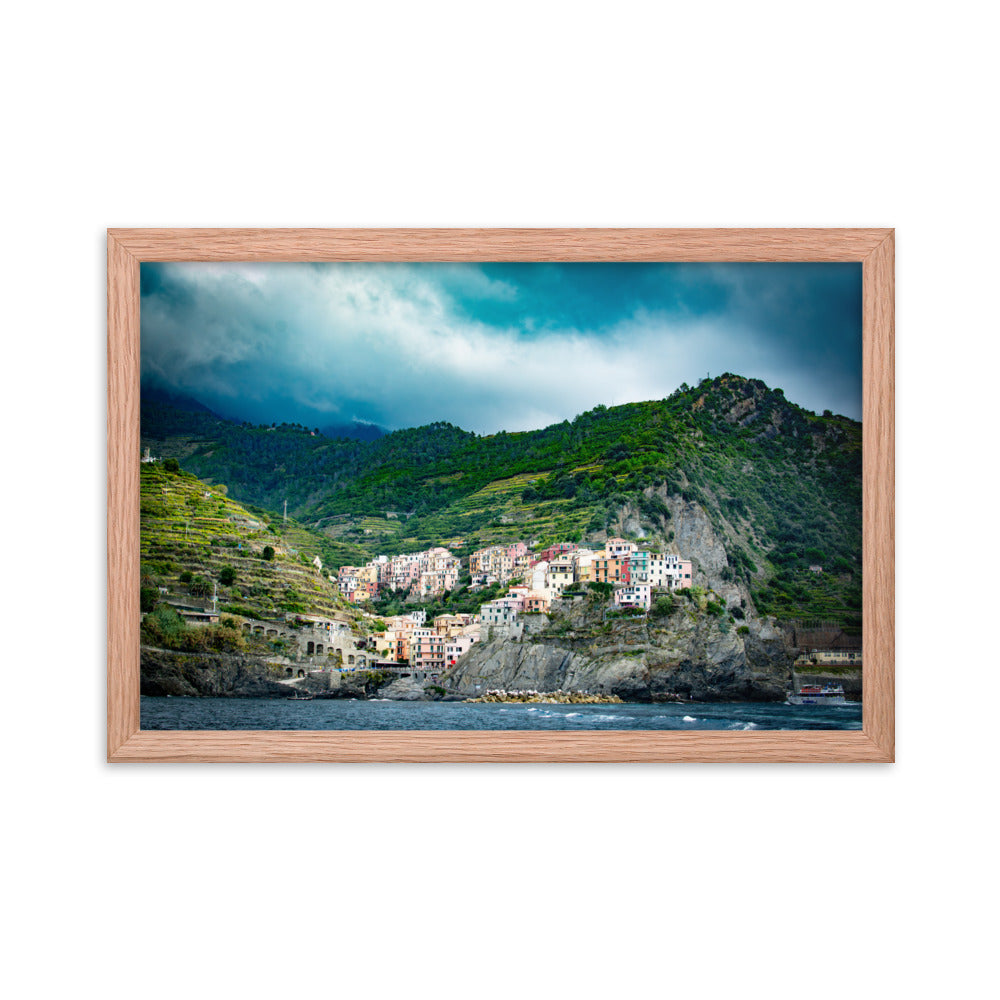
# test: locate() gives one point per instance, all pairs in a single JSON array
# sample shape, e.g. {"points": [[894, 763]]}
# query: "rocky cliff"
{"points": [[233, 675], [164, 672], [685, 529], [691, 653]]}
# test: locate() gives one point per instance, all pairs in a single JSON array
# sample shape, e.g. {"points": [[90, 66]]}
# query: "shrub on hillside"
{"points": [[227, 576], [239, 609], [226, 637], [662, 607], [148, 597], [163, 626]]}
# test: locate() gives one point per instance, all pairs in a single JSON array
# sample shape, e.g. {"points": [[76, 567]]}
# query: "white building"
{"points": [[633, 595], [502, 611], [560, 575], [668, 571]]}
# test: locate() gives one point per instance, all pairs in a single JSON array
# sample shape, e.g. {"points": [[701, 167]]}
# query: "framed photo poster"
{"points": [[500, 495]]}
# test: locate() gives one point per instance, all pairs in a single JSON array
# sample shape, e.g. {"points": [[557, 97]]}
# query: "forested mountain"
{"points": [[780, 487]]}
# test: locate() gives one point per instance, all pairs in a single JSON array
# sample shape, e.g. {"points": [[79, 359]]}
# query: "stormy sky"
{"points": [[492, 347]]}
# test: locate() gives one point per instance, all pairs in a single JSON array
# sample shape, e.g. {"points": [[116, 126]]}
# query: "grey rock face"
{"points": [[164, 672], [403, 689], [690, 655], [694, 538]]}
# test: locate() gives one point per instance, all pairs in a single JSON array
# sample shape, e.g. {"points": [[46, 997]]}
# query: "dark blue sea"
{"points": [[268, 713]]}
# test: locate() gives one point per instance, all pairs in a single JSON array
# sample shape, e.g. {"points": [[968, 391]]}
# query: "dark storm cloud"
{"points": [[493, 346]]}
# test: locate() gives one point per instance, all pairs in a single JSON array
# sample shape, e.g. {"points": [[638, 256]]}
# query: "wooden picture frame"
{"points": [[127, 248]]}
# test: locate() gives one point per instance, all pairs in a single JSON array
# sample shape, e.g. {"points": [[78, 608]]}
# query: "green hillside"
{"points": [[781, 485], [195, 542]]}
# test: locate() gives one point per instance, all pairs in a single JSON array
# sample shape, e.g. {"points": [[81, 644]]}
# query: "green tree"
{"points": [[227, 576], [171, 465], [268, 554], [147, 598]]}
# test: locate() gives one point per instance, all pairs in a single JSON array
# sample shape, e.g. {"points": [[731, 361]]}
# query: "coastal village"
{"points": [[520, 581], [535, 580], [410, 645]]}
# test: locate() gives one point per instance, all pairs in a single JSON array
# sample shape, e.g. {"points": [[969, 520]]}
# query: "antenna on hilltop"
{"points": [[284, 517]]}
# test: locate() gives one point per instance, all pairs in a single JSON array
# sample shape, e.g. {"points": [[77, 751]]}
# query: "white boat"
{"points": [[814, 694]]}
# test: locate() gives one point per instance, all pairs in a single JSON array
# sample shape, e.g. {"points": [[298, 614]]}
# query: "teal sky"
{"points": [[492, 346]]}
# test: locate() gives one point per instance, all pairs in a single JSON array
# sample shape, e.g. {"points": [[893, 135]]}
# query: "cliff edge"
{"points": [[685, 650]]}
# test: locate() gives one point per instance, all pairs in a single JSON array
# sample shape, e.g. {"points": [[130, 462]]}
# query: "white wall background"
{"points": [[506, 881]]}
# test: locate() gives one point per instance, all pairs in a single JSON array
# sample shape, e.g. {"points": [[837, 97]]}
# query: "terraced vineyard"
{"points": [[193, 538]]}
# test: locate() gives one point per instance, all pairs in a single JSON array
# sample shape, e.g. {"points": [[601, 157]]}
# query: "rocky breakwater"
{"points": [[548, 698], [690, 651]]}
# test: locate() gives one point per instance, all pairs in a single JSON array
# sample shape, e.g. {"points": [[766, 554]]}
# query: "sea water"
{"points": [[269, 713]]}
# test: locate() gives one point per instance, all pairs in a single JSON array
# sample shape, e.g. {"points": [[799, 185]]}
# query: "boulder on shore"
{"points": [[403, 689]]}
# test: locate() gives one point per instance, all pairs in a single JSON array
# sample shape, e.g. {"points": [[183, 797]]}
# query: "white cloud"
{"points": [[391, 344]]}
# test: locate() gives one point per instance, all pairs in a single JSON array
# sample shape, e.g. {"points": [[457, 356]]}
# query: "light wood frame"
{"points": [[874, 248]]}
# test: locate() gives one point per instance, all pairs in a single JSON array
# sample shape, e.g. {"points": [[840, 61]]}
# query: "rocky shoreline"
{"points": [[547, 698], [689, 654], [575, 656]]}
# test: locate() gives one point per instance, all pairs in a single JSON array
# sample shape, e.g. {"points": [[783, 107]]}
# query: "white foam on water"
{"points": [[572, 715], [689, 718]]}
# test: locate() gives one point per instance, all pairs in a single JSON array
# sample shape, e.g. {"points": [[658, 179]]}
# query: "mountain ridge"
{"points": [[777, 485]]}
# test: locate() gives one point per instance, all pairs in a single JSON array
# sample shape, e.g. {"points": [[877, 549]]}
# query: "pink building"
{"points": [[536, 601], [619, 548], [456, 647], [427, 650], [560, 548], [498, 562]]}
